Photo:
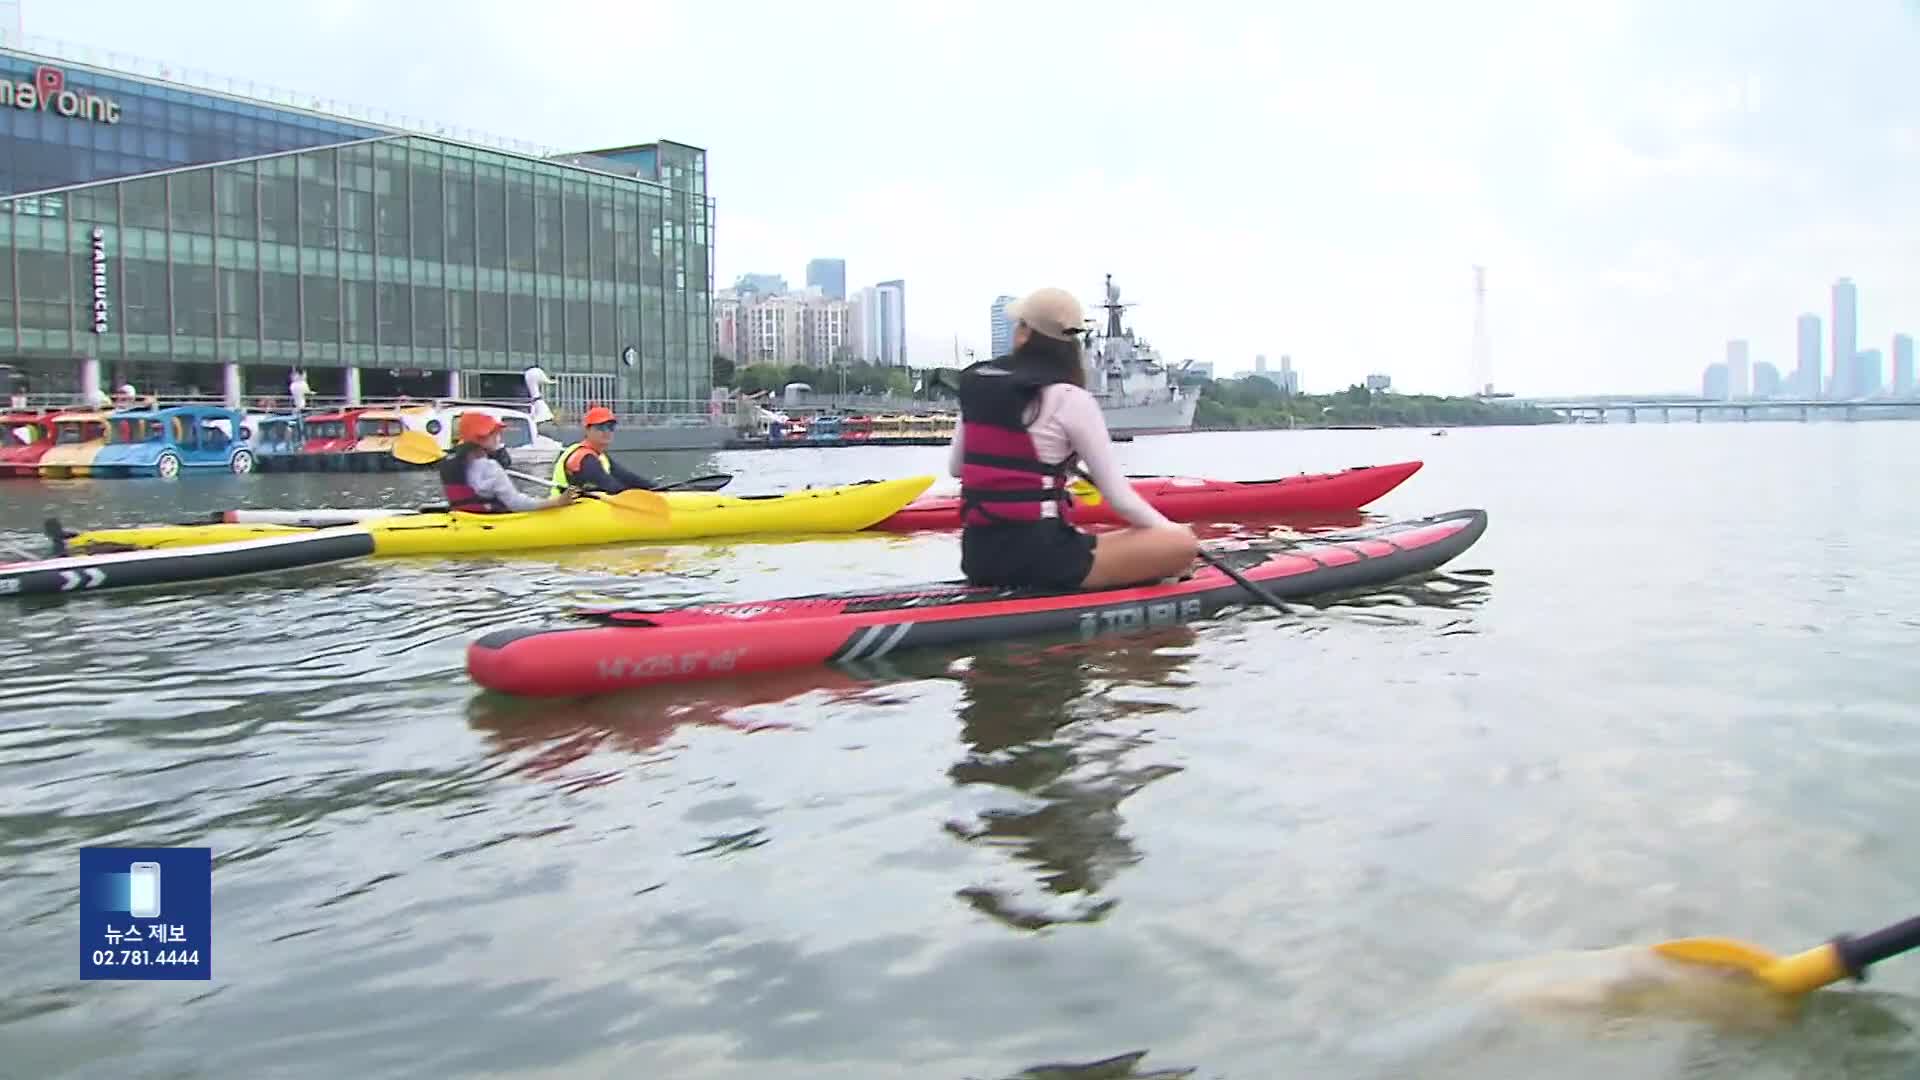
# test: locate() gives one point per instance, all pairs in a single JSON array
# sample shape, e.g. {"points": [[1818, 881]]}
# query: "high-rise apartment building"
{"points": [[829, 276], [1000, 336], [1806, 371], [1846, 330]]}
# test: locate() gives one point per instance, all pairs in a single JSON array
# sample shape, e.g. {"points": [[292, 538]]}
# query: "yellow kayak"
{"points": [[696, 515]]}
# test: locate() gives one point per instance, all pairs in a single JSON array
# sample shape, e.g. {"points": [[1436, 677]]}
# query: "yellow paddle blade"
{"points": [[417, 448], [1719, 952], [1797, 974], [1084, 492], [651, 503]]}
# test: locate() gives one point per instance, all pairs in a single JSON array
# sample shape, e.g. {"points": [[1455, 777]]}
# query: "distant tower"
{"points": [[1482, 348], [1846, 315]]}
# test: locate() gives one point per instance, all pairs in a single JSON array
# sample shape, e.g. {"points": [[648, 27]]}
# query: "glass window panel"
{"points": [[239, 304], [651, 243], [6, 292], [579, 333], [523, 324], [602, 342], [491, 315], [578, 229], [429, 210], [45, 291], [143, 303], [320, 298], [356, 168], [193, 313], [519, 200], [280, 305], [145, 202], [627, 310], [390, 197], [319, 205], [359, 322], [459, 218], [430, 317], [100, 205], [462, 330], [396, 314], [192, 198], [552, 328], [356, 221], [548, 236], [279, 196], [489, 193]]}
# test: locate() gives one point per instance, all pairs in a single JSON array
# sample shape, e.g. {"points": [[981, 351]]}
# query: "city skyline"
{"points": [[1839, 367], [762, 319]]}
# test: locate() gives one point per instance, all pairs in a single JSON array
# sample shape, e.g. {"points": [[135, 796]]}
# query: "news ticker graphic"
{"points": [[146, 913]]}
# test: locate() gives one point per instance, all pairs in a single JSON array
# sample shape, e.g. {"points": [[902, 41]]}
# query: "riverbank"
{"points": [[1257, 405]]}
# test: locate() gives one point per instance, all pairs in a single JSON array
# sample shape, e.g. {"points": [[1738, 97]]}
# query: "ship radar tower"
{"points": [[1114, 308]]}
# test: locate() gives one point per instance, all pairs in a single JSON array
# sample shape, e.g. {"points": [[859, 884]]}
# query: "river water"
{"points": [[1670, 692]]}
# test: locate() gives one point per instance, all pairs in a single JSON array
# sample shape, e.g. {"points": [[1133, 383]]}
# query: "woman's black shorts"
{"points": [[1047, 554]]}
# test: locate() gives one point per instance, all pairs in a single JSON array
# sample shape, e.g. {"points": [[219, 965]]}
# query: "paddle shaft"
{"points": [[1259, 592], [1859, 952]]}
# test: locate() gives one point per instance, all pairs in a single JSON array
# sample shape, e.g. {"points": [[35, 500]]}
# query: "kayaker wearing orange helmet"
{"points": [[474, 479], [587, 465]]}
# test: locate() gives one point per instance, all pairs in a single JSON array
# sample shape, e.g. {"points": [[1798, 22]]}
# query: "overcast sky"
{"points": [[1644, 179]]}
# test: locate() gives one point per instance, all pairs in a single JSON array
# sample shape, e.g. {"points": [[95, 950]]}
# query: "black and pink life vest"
{"points": [[1002, 479]]}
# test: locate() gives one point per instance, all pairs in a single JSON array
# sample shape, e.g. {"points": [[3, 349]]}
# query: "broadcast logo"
{"points": [[146, 913]]}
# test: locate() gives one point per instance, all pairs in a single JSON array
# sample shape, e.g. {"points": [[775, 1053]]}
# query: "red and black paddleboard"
{"points": [[627, 648], [1188, 498]]}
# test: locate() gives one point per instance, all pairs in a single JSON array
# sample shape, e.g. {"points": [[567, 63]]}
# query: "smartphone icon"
{"points": [[143, 893]]}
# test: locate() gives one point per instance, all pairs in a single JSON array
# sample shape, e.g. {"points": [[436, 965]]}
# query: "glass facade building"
{"points": [[166, 232]]}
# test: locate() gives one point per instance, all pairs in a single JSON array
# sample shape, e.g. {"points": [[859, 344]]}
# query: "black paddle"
{"points": [[709, 482], [1242, 580], [1258, 591]]}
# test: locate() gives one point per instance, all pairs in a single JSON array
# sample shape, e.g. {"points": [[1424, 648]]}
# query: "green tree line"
{"points": [[839, 379], [1225, 404], [1250, 402]]}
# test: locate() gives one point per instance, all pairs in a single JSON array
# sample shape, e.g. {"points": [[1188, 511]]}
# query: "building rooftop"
{"points": [[108, 62]]}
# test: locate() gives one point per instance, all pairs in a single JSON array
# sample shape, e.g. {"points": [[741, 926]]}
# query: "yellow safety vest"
{"points": [[561, 482]]}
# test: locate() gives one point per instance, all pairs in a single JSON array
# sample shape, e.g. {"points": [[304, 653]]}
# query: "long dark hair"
{"points": [[1051, 356]]}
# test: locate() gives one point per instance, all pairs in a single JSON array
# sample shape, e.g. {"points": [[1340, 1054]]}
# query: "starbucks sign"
{"points": [[98, 256]]}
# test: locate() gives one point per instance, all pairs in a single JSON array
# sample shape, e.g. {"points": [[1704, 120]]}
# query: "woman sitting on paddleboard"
{"points": [[1025, 420]]}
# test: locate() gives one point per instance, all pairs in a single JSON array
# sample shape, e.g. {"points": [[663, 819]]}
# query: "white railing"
{"points": [[191, 78], [640, 413]]}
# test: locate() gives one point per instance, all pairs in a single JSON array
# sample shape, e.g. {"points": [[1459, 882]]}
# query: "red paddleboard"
{"points": [[1184, 498], [616, 649]]}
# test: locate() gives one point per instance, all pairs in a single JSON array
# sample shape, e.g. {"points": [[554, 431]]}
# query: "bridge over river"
{"points": [[1601, 409]]}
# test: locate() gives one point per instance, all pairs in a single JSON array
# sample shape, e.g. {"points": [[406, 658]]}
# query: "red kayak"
{"points": [[632, 648], [1184, 498]]}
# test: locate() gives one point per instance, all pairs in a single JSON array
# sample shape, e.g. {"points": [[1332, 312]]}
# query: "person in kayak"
{"points": [[474, 479], [586, 465], [1026, 420]]}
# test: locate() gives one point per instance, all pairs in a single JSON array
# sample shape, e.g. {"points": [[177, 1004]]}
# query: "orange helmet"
{"points": [[475, 426], [597, 415]]}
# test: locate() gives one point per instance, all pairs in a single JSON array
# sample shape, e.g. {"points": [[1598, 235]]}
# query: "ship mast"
{"points": [[1114, 307]]}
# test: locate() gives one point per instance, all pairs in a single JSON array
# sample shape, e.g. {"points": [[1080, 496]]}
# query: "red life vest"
{"points": [[1002, 479], [453, 480]]}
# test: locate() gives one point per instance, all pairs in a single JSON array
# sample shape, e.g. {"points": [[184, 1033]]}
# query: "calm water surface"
{"points": [[1670, 692]]}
